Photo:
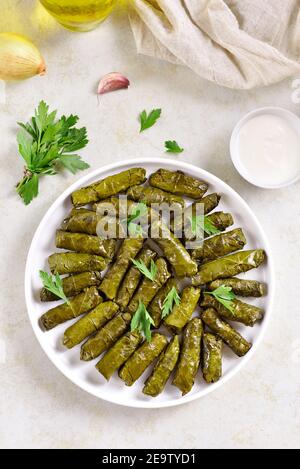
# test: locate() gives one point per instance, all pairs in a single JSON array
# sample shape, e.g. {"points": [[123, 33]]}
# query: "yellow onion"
{"points": [[19, 58]]}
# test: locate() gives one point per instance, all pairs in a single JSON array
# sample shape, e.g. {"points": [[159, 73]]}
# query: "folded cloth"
{"points": [[240, 44]]}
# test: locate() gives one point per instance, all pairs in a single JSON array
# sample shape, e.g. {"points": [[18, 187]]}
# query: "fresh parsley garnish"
{"points": [[138, 212], [172, 146], [140, 265], [46, 144], [142, 321], [148, 120], [53, 284], [202, 222], [224, 295], [171, 299]]}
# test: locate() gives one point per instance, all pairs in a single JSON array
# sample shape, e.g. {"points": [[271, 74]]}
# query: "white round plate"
{"points": [[84, 374]]}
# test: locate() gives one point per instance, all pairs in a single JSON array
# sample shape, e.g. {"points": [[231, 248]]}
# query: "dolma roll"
{"points": [[156, 305], [241, 287], [211, 357], [209, 202], [109, 186], [148, 288], [89, 323], [81, 221], [113, 206], [220, 220], [133, 277], [149, 196], [80, 242], [118, 354], [182, 313], [229, 266], [135, 366], [75, 262], [80, 304], [177, 182], [220, 246], [112, 280], [239, 312], [189, 358], [174, 251], [73, 285], [105, 337], [157, 381], [230, 336]]}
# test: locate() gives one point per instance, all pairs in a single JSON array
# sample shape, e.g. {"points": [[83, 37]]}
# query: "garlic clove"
{"points": [[19, 58], [112, 82]]}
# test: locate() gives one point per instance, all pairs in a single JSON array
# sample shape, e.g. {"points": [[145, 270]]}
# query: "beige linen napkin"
{"points": [[235, 43]]}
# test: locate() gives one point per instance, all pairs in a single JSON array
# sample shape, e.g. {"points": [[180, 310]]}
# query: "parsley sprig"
{"points": [[141, 266], [171, 299], [148, 120], [53, 284], [202, 222], [47, 144], [172, 146], [142, 321], [224, 295], [139, 212]]}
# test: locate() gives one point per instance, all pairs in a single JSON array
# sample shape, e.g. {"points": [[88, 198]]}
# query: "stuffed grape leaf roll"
{"points": [[150, 195], [75, 262], [133, 277], [189, 358], [220, 246], [80, 242], [177, 182], [238, 312], [112, 280], [241, 287], [89, 323], [78, 305], [173, 249], [105, 337], [166, 363], [148, 288], [135, 366], [182, 313], [229, 266], [211, 357], [118, 354], [238, 344], [156, 305], [108, 186], [73, 285]]}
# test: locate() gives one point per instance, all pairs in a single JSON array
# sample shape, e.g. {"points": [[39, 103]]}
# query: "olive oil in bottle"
{"points": [[79, 15]]}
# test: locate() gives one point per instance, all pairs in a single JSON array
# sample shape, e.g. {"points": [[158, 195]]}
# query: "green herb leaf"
{"points": [[53, 283], [28, 189], [73, 163], [202, 222], [173, 147], [140, 265], [142, 321], [45, 144], [139, 212], [148, 120], [171, 299], [224, 295]]}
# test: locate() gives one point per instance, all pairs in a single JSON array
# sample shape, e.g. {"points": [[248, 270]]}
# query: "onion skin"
{"points": [[19, 58]]}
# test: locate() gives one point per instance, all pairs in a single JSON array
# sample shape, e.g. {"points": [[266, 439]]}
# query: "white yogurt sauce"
{"points": [[269, 150]]}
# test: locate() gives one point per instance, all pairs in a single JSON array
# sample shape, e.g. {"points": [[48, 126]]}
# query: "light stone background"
{"points": [[39, 407]]}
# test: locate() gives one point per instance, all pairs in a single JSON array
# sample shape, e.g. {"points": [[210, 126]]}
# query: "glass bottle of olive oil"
{"points": [[79, 15]]}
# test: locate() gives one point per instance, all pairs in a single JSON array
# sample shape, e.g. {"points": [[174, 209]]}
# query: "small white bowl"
{"points": [[234, 151]]}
